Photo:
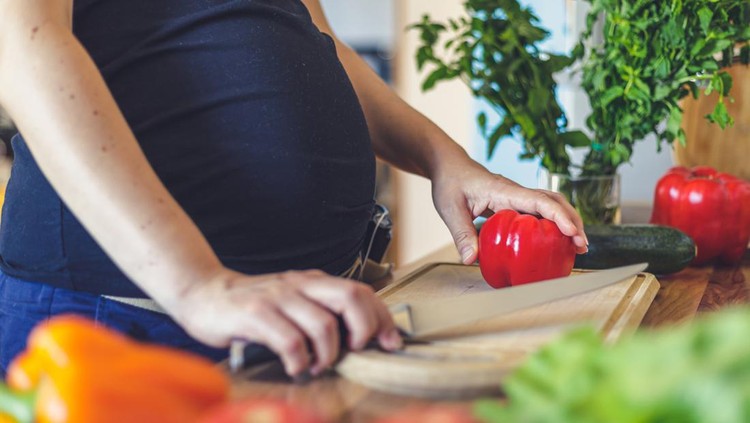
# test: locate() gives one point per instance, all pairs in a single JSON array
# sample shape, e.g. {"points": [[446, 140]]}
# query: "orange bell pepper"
{"points": [[4, 418], [76, 371]]}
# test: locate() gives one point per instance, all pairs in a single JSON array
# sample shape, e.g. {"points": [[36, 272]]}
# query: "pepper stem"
{"points": [[18, 405]]}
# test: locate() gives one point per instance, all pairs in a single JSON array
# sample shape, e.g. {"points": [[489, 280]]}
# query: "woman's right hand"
{"points": [[293, 313]]}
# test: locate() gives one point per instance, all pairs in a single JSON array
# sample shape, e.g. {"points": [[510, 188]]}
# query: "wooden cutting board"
{"points": [[472, 360]]}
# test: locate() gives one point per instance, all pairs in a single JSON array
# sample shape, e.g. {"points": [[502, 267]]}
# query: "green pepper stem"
{"points": [[18, 405]]}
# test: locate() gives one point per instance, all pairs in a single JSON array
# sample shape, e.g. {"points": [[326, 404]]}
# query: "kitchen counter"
{"points": [[682, 296]]}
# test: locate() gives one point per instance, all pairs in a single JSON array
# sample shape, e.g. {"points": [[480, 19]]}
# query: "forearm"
{"points": [[83, 145], [400, 134]]}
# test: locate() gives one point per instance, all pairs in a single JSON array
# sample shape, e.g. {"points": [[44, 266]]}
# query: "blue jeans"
{"points": [[24, 304]]}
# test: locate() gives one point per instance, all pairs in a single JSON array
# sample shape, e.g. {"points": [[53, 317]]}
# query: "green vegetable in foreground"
{"points": [[695, 373]]}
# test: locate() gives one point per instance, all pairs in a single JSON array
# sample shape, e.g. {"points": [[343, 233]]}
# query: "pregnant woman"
{"points": [[191, 172]]}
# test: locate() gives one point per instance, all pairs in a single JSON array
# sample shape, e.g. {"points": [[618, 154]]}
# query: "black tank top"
{"points": [[248, 118]]}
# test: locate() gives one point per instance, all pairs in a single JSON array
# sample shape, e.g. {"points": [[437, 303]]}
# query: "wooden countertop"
{"points": [[682, 296]]}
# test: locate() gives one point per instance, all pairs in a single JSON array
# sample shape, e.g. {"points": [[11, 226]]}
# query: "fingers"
{"points": [[295, 315], [320, 327], [555, 207], [579, 238], [388, 337], [363, 312], [461, 226], [272, 328]]}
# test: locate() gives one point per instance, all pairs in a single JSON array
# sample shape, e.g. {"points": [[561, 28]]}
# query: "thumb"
{"points": [[461, 227]]}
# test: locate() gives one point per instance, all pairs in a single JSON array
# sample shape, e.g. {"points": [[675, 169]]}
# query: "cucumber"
{"points": [[665, 249]]}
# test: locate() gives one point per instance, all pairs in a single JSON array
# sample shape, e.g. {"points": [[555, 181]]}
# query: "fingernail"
{"points": [[292, 372], [395, 340], [355, 346], [466, 253]]}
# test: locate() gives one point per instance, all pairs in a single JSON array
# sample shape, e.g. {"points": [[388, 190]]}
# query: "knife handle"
{"points": [[243, 354]]}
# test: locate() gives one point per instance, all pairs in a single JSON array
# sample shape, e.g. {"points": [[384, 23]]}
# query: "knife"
{"points": [[418, 320]]}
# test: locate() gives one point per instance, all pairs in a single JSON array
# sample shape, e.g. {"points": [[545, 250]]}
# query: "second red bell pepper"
{"points": [[711, 207], [520, 248]]}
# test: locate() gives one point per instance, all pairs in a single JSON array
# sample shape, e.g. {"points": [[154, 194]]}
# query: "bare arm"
{"points": [[400, 134], [86, 150], [462, 189]]}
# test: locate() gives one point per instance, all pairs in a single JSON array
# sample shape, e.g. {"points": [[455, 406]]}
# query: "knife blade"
{"points": [[417, 320]]}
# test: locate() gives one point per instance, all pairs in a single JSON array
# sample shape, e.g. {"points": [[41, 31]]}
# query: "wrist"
{"points": [[192, 289], [445, 158]]}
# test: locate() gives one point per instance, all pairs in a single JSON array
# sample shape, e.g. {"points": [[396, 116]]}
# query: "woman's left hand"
{"points": [[463, 190]]}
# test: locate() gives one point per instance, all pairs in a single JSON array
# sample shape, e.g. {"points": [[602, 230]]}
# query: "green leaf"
{"points": [[662, 91], [709, 88], [539, 98], [575, 139], [619, 154], [694, 90], [438, 74], [578, 51], [663, 68], [642, 86], [745, 54], [482, 122], [698, 46], [682, 138], [635, 93], [702, 370], [558, 62], [675, 120], [714, 46], [611, 94], [726, 80], [705, 14], [424, 54], [720, 116], [502, 130], [527, 125]]}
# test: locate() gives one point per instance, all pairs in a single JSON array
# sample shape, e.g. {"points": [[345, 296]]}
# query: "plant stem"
{"points": [[695, 78], [18, 405]]}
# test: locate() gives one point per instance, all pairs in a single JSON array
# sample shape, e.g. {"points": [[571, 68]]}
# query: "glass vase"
{"points": [[596, 198]]}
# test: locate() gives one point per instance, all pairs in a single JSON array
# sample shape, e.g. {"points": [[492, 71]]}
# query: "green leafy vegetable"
{"points": [[692, 374], [653, 54], [495, 51]]}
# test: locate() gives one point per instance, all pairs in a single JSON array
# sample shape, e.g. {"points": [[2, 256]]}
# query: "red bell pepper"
{"points": [[520, 248], [260, 410], [712, 208]]}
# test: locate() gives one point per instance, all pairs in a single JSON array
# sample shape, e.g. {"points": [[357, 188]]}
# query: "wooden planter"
{"points": [[707, 144]]}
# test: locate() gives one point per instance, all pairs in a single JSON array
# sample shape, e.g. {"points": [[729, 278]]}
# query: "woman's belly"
{"points": [[248, 118]]}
